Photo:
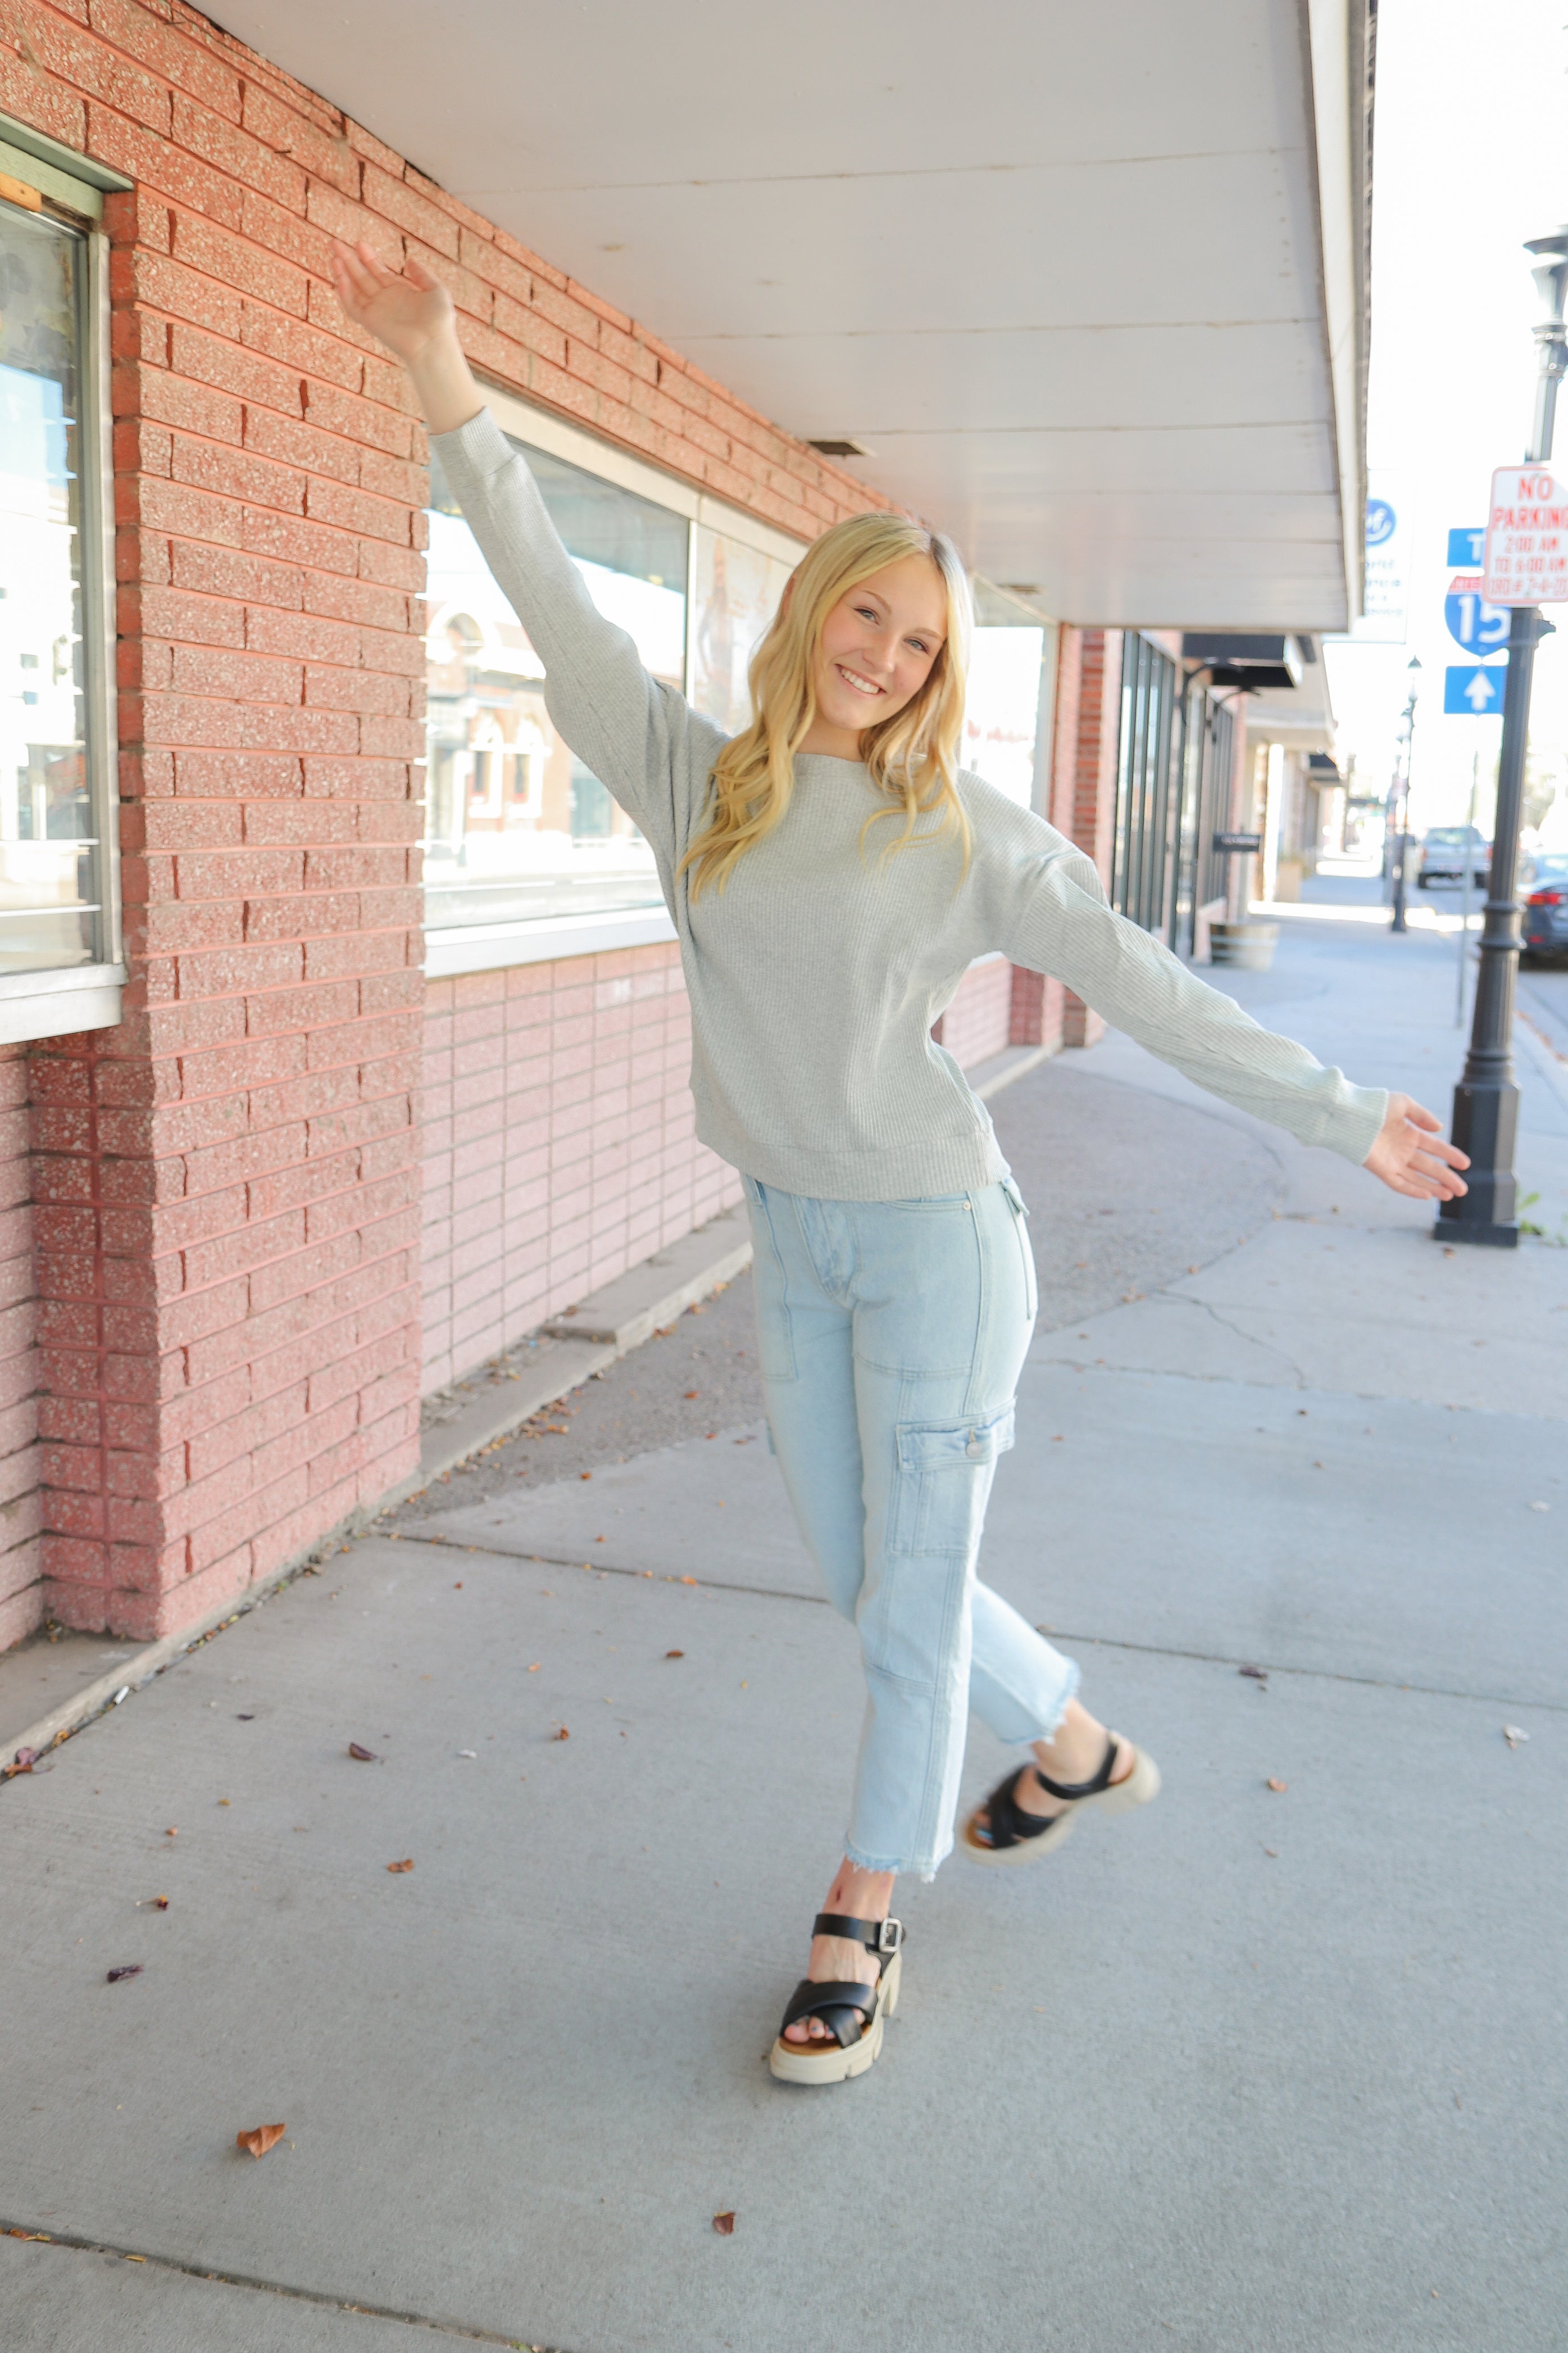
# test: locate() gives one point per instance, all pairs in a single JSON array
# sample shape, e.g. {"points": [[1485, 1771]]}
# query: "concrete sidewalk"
{"points": [[1253, 2070]]}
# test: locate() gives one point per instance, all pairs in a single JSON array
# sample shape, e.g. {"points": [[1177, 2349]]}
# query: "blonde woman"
{"points": [[832, 875]]}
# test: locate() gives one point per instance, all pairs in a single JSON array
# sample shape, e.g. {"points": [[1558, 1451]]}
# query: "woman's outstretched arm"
{"points": [[1055, 919]]}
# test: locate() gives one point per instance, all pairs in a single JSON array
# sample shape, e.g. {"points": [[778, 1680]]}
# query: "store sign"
{"points": [[1387, 593], [1233, 845], [1527, 538]]}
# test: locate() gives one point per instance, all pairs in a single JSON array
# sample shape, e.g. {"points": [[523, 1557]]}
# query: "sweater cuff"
{"points": [[479, 449], [1359, 1122]]}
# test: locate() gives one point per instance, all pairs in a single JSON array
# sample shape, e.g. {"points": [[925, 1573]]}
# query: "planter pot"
{"points": [[1249, 946]]}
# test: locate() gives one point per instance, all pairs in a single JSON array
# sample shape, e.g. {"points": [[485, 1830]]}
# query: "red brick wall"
{"points": [[227, 1187], [1083, 795], [559, 1142], [21, 1590], [976, 1024]]}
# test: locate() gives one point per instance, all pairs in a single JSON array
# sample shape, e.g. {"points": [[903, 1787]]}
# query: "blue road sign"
{"points": [[1471, 692], [1480, 627], [1380, 520], [1468, 548]]}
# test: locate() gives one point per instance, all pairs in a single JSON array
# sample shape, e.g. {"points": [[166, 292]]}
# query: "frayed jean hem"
{"points": [[923, 1867]]}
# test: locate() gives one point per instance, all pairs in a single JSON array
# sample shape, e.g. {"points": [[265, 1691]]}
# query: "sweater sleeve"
{"points": [[1053, 918], [641, 737]]}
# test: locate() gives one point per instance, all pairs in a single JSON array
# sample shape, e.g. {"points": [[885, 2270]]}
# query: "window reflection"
{"points": [[517, 828], [737, 595], [48, 847]]}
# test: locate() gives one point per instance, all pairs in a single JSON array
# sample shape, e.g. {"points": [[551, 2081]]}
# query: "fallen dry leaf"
{"points": [[406, 1865], [1513, 1733], [171, 1833], [687, 1581], [129, 1970], [585, 1474], [264, 2138], [691, 1393], [158, 1903], [725, 2225], [562, 1734], [1277, 1785], [674, 1654], [537, 1664], [1272, 1853], [365, 1755]]}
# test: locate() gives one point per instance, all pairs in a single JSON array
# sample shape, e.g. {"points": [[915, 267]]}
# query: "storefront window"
{"points": [[51, 897], [517, 829]]}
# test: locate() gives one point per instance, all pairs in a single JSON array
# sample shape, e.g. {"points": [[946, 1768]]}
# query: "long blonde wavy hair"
{"points": [[911, 756]]}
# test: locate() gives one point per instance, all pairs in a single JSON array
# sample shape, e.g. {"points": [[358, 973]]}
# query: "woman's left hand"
{"points": [[1412, 1156]]}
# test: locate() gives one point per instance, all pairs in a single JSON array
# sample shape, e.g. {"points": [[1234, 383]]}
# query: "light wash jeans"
{"points": [[892, 1335]]}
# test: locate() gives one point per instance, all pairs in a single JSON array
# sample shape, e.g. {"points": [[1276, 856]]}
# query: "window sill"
{"points": [[491, 947], [58, 1004]]}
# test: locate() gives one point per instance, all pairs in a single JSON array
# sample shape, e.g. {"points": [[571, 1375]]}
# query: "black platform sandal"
{"points": [[854, 2014], [1007, 1834]]}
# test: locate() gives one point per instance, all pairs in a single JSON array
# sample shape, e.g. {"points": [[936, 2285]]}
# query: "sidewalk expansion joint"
{"points": [[612, 1568], [1056, 1633], [75, 2244]]}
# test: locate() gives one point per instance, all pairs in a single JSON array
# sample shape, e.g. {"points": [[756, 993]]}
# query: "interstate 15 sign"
{"points": [[1527, 538]]}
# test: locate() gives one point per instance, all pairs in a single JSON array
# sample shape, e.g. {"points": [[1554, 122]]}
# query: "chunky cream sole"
{"points": [[1135, 1788], [807, 2062]]}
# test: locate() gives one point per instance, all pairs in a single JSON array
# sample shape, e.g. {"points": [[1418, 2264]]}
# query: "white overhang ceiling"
{"points": [[1084, 282]]}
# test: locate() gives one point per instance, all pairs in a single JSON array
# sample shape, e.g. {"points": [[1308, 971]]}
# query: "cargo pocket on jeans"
{"points": [[941, 1502]]}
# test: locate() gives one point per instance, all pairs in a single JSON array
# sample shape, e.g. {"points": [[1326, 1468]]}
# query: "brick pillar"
{"points": [[227, 1187], [1083, 794]]}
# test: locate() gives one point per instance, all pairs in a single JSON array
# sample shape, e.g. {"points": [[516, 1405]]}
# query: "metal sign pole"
{"points": [[1465, 857], [1485, 1100]]}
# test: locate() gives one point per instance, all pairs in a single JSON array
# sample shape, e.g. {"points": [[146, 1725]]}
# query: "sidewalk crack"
{"points": [[77, 2242]]}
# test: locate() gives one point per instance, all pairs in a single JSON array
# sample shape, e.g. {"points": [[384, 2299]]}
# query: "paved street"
{"points": [[1256, 2068]]}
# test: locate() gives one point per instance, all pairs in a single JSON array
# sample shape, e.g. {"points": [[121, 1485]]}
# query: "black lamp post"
{"points": [[1402, 838], [1486, 1101]]}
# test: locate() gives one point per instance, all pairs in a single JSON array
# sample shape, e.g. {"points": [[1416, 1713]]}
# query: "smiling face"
{"points": [[878, 645]]}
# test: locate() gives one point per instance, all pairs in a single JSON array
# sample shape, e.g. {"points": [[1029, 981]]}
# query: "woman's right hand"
{"points": [[411, 314]]}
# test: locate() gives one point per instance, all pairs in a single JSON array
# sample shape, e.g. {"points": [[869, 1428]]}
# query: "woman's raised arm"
{"points": [[640, 738]]}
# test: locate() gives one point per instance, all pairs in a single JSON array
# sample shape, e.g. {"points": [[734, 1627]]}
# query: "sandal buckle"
{"points": [[889, 1936]]}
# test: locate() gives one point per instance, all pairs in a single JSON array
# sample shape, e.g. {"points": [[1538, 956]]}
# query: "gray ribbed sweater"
{"points": [[817, 975]]}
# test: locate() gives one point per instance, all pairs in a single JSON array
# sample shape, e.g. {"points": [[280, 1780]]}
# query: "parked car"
{"points": [[1546, 904], [1445, 851]]}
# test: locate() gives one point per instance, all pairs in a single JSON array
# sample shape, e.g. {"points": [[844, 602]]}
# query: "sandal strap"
{"points": [[842, 2006], [1006, 1822], [877, 1936], [1068, 1790]]}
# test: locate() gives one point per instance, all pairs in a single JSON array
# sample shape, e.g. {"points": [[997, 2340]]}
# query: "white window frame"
{"points": [[48, 1004], [451, 949]]}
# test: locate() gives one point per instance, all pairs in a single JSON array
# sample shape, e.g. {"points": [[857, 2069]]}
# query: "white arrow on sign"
{"points": [[1480, 692]]}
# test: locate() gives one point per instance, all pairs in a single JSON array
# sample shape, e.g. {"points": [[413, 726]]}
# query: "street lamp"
{"points": [[1486, 1101], [1402, 840]]}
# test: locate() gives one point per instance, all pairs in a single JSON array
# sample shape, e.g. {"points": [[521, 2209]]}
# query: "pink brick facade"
{"points": [[21, 1499], [559, 1142]]}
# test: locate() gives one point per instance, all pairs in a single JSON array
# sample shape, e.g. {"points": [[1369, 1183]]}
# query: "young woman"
{"points": [[832, 875]]}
